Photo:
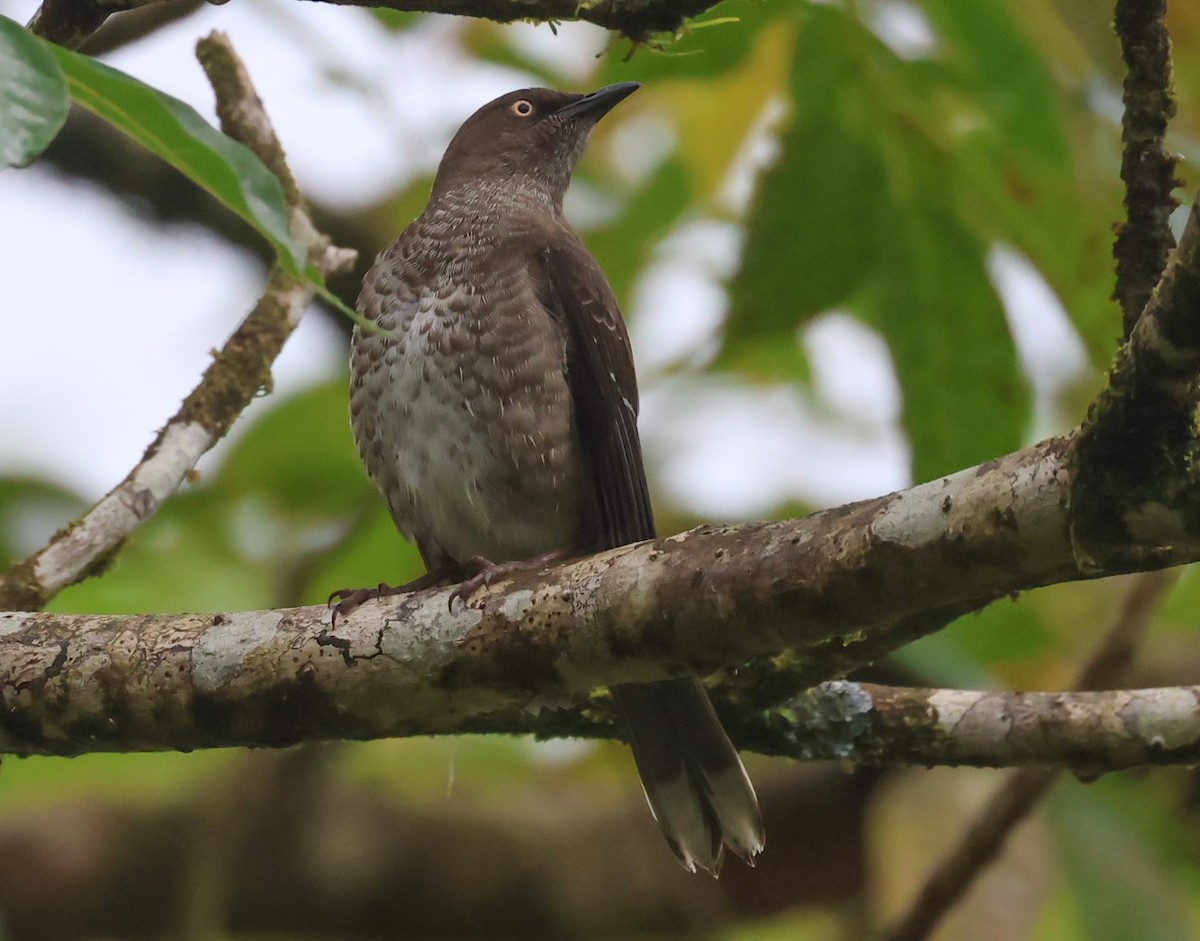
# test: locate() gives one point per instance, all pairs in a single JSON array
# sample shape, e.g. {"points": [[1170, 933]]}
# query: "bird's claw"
{"points": [[487, 573], [350, 598]]}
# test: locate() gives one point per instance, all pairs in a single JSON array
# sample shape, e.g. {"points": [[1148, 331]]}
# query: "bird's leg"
{"points": [[488, 572], [350, 598]]}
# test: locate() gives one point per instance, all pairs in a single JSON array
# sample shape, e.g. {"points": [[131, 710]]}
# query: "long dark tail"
{"points": [[694, 781]]}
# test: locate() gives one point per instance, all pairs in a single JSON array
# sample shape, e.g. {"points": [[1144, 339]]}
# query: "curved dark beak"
{"points": [[598, 103]]}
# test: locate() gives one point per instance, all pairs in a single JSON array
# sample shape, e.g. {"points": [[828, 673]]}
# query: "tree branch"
{"points": [[1088, 732], [238, 372], [1144, 241], [856, 581], [73, 683], [523, 657], [71, 22], [1135, 457], [877, 566]]}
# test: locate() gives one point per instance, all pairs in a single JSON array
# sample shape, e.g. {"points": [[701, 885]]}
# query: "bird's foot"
{"points": [[345, 600], [488, 572]]}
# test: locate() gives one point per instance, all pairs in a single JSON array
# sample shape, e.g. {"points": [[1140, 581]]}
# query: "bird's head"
{"points": [[534, 133]]}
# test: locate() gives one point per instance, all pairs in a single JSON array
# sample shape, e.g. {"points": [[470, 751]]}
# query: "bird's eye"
{"points": [[522, 108]]}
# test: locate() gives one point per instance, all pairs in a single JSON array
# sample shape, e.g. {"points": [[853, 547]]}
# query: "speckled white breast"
{"points": [[462, 413]]}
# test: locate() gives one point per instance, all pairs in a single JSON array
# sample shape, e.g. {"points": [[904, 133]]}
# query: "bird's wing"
{"points": [[604, 392]]}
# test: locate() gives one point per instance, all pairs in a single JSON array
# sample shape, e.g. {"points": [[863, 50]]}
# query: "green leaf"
{"points": [[30, 511], [175, 132], [1002, 632], [300, 456], [1179, 610], [964, 398], [373, 552], [33, 96], [991, 56], [185, 559], [865, 210], [813, 229], [808, 248]]}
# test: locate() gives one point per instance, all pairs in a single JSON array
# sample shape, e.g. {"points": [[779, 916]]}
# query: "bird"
{"points": [[495, 408]]}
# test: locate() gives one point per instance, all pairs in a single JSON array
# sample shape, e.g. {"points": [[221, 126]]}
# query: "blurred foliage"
{"points": [[872, 155]]}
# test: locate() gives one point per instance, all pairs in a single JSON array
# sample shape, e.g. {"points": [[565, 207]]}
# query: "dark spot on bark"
{"points": [[500, 656], [38, 683], [21, 729], [274, 716], [325, 639]]}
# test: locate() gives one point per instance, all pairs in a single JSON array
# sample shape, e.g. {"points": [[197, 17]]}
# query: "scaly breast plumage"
{"points": [[463, 417]]}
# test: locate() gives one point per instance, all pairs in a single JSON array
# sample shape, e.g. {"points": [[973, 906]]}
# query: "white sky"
{"points": [[106, 324]]}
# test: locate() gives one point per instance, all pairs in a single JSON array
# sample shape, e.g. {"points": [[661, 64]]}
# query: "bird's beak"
{"points": [[596, 105]]}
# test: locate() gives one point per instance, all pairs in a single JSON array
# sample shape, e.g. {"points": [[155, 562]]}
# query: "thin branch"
{"points": [[1087, 732], [133, 25], [244, 118], [1013, 802], [1119, 720], [1144, 240], [237, 374], [71, 22]]}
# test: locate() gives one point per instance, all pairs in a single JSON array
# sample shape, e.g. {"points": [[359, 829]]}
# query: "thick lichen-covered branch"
{"points": [[1134, 461], [867, 576]]}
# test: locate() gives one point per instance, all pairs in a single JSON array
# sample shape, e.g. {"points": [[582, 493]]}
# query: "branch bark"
{"points": [[1134, 459], [72, 683], [71, 22], [835, 590], [1144, 240], [701, 600]]}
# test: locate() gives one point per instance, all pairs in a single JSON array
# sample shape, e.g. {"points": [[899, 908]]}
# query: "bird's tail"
{"points": [[694, 781]]}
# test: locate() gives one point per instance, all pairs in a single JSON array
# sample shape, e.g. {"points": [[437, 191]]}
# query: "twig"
{"points": [[237, 374], [244, 118], [1144, 240], [1024, 789], [70, 22], [133, 25]]}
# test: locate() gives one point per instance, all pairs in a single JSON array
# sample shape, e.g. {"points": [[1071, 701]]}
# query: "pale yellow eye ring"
{"points": [[522, 108]]}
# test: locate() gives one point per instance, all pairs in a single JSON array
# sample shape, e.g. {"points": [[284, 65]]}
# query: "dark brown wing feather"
{"points": [[604, 390], [693, 778]]}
